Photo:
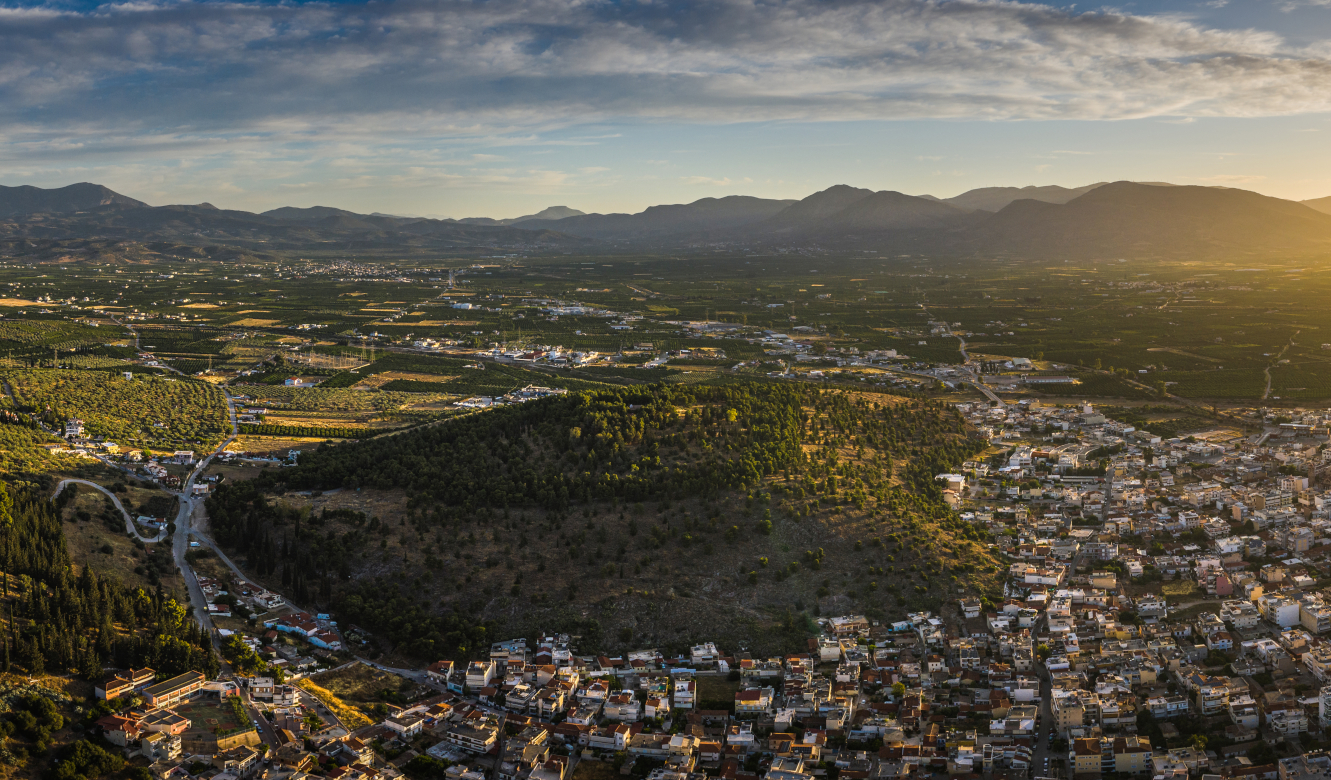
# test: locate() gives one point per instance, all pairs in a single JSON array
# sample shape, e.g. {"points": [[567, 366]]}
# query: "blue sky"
{"points": [[500, 108]]}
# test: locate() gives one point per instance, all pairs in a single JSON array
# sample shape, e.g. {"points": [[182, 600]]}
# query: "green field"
{"points": [[1207, 331]]}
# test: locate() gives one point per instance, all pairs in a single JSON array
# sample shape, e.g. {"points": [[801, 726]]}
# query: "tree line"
{"points": [[60, 618]]}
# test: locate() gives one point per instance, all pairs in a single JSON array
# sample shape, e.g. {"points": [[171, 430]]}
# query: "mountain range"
{"points": [[1098, 220]]}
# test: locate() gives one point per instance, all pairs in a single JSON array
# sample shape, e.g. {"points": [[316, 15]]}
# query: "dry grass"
{"points": [[361, 684], [330, 419], [271, 444], [86, 541], [351, 717], [595, 770], [375, 381], [252, 322], [1180, 589]]}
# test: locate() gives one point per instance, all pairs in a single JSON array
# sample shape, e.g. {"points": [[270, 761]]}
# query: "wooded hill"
{"points": [[57, 618], [663, 513]]}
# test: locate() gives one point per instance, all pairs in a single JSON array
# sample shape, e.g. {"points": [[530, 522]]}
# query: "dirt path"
{"points": [[1267, 371]]}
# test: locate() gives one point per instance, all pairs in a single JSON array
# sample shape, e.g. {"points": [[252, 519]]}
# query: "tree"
{"points": [[1261, 753], [898, 690]]}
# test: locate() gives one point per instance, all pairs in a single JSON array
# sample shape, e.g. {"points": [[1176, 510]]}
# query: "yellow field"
{"points": [[250, 322], [351, 718], [199, 306], [17, 302], [375, 381]]}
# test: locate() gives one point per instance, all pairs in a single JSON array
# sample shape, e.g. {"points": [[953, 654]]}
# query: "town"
{"points": [[1162, 616]]}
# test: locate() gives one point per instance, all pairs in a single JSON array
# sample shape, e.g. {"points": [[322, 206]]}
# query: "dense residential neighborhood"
{"points": [[1162, 616]]}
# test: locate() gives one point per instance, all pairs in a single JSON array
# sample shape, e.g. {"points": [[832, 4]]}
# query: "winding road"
{"points": [[130, 525]]}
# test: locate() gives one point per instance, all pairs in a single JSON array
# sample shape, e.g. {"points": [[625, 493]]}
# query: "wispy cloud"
{"points": [[452, 67], [410, 83]]}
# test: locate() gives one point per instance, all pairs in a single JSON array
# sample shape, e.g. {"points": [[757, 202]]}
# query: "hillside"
{"points": [[292, 229], [662, 514], [1320, 204], [551, 214], [76, 197], [1130, 218], [684, 220], [995, 198]]}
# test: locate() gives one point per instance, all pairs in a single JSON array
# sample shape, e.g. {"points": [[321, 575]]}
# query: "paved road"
{"points": [[969, 376], [190, 506], [130, 525]]}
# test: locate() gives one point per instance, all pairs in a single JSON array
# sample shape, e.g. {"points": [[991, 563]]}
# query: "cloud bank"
{"points": [[360, 80], [454, 66]]}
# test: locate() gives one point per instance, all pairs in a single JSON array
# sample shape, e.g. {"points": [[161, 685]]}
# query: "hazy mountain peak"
{"points": [[311, 214], [996, 198], [1320, 204], [83, 196], [553, 212]]}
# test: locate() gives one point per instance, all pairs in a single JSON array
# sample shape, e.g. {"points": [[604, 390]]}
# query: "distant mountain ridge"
{"points": [[1134, 218], [1099, 220], [701, 216], [995, 198], [26, 199], [551, 213], [842, 208]]}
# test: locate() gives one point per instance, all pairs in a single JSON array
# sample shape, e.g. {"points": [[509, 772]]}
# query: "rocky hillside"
{"points": [[651, 515]]}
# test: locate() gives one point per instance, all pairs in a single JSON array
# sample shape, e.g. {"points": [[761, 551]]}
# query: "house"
{"points": [[160, 746], [754, 701], [405, 726], [705, 654], [614, 738], [684, 693], [479, 674], [440, 671], [119, 730], [474, 738], [622, 707], [240, 761]]}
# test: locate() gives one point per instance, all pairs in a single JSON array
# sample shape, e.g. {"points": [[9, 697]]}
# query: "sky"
{"points": [[502, 107]]}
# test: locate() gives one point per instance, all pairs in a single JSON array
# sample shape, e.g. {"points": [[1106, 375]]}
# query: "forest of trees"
{"points": [[276, 538], [624, 443], [56, 619]]}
